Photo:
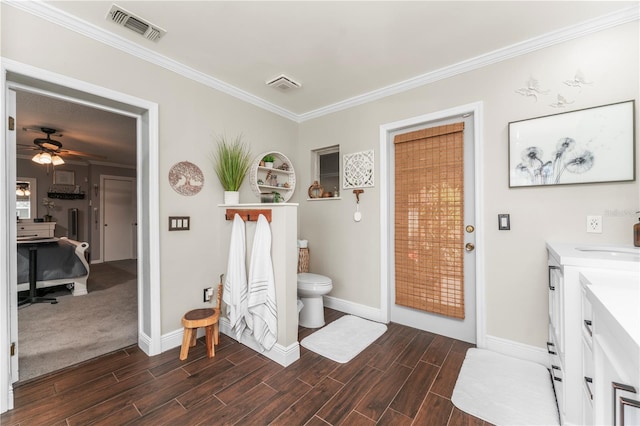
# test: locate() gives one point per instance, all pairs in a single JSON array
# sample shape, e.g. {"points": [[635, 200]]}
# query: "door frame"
{"points": [[103, 208], [386, 199], [21, 76]]}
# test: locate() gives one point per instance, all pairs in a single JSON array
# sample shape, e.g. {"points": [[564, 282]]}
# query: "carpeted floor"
{"points": [[79, 328]]}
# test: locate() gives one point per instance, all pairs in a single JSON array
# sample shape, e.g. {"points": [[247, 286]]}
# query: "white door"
{"points": [[458, 328], [119, 218]]}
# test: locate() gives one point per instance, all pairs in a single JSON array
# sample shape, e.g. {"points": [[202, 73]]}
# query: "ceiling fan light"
{"points": [[56, 160], [45, 158], [20, 192], [36, 158]]}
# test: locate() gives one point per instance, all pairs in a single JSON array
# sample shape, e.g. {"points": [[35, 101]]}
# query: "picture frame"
{"points": [[64, 177], [591, 145]]}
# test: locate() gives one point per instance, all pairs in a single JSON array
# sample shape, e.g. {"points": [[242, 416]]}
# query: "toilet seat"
{"points": [[308, 281]]}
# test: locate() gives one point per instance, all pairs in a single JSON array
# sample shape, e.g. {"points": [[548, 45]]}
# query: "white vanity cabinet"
{"points": [[36, 229], [566, 323], [612, 300]]}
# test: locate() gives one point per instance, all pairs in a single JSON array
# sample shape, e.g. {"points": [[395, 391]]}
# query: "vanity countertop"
{"points": [[618, 256]]}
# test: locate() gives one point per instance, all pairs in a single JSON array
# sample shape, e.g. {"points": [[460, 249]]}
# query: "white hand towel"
{"points": [[235, 283], [262, 289]]}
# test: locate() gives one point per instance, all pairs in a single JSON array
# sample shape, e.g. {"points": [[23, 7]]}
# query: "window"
{"points": [[327, 168]]}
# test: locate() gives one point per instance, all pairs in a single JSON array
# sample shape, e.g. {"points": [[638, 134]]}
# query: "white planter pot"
{"points": [[268, 164], [231, 197]]}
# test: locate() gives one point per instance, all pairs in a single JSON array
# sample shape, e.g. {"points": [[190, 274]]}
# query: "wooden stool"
{"points": [[207, 318]]}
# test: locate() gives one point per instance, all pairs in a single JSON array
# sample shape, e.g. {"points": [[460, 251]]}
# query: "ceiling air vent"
{"points": [[284, 83], [136, 24]]}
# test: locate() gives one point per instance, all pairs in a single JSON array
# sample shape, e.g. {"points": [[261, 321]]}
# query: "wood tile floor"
{"points": [[405, 378]]}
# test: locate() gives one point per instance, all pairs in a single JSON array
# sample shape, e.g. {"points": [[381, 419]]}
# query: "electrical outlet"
{"points": [[207, 294], [594, 224]]}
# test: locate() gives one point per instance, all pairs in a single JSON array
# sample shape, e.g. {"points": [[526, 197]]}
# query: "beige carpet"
{"points": [[79, 328]]}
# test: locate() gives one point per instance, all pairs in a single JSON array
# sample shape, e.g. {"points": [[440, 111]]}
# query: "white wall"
{"points": [[190, 117], [516, 292]]}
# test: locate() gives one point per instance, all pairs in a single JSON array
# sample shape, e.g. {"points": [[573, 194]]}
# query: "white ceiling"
{"points": [[340, 51]]}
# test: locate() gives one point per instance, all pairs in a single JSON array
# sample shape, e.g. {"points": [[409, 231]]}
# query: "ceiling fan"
{"points": [[50, 150]]}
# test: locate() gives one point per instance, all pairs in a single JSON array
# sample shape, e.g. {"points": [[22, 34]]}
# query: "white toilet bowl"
{"points": [[311, 288]]}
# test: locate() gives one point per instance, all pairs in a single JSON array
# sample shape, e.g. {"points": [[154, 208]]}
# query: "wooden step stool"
{"points": [[207, 318]]}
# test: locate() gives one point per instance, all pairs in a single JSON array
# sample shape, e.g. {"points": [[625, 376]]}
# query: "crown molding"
{"points": [[66, 20], [582, 29], [52, 14]]}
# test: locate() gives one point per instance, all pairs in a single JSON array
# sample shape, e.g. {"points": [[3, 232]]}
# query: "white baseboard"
{"points": [[144, 342], [518, 350], [284, 356], [363, 311]]}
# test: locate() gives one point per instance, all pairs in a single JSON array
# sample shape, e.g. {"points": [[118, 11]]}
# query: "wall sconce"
{"points": [[95, 188]]}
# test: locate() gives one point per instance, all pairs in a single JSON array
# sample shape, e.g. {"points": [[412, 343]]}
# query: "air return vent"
{"points": [[136, 24], [283, 83]]}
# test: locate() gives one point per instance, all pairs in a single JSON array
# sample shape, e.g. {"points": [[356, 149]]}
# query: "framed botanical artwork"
{"points": [[64, 177], [584, 146]]}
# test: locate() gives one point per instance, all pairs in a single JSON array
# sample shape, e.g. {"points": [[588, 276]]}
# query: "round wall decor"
{"points": [[186, 178]]}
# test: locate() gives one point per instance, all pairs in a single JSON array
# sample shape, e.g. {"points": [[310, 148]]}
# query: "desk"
{"points": [[33, 244]]}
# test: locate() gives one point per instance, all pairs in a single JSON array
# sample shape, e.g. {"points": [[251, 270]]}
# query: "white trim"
{"points": [[518, 350], [284, 356], [148, 212], [476, 109], [46, 11], [348, 307]]}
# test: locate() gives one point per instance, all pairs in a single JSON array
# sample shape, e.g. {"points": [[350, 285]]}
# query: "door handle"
{"points": [[469, 247]]}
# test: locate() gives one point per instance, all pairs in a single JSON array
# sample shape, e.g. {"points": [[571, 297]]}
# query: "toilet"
{"points": [[311, 288]]}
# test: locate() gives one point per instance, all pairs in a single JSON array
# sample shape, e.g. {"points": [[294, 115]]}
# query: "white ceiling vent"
{"points": [[284, 83], [136, 24]]}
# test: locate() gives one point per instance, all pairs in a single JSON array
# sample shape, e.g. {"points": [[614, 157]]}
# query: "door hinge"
{"points": [[13, 348], [12, 123]]}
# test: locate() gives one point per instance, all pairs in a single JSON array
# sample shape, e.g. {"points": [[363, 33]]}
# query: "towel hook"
{"points": [[358, 192]]}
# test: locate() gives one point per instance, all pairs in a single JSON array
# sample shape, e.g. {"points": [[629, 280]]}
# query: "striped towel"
{"points": [[235, 283], [262, 289]]}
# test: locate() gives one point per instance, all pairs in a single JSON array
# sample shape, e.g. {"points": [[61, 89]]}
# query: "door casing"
{"points": [[16, 75], [386, 203]]}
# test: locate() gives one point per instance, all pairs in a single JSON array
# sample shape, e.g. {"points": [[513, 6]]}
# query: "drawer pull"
{"points": [[588, 326], [551, 352], [622, 387], [551, 267], [588, 381], [555, 367]]}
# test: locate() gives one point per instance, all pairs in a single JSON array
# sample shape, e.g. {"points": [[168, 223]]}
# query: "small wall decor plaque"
{"points": [[584, 146], [186, 178], [358, 170]]}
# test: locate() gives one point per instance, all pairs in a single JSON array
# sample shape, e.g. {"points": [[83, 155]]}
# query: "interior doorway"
{"points": [[20, 76], [118, 220]]}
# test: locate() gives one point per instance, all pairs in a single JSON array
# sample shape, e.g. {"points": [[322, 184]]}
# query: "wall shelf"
{"points": [[259, 176]]}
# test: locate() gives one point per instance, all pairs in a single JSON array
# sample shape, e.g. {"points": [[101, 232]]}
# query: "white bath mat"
{"points": [[504, 390], [344, 338]]}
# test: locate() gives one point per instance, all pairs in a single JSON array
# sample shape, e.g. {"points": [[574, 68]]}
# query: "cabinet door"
{"points": [[616, 392]]}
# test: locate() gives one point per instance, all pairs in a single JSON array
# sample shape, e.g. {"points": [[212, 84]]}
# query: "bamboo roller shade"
{"points": [[429, 220]]}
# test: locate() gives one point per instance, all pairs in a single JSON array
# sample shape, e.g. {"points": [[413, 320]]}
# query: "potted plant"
{"points": [[268, 160], [232, 160]]}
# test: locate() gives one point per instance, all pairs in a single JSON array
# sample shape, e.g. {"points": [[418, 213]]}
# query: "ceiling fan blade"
{"points": [[39, 130], [69, 152]]}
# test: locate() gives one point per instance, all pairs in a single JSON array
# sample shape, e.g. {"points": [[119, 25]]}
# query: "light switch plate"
{"points": [[179, 223], [504, 222]]}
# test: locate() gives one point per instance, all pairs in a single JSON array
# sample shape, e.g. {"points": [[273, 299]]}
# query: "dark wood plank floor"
{"points": [[405, 378]]}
